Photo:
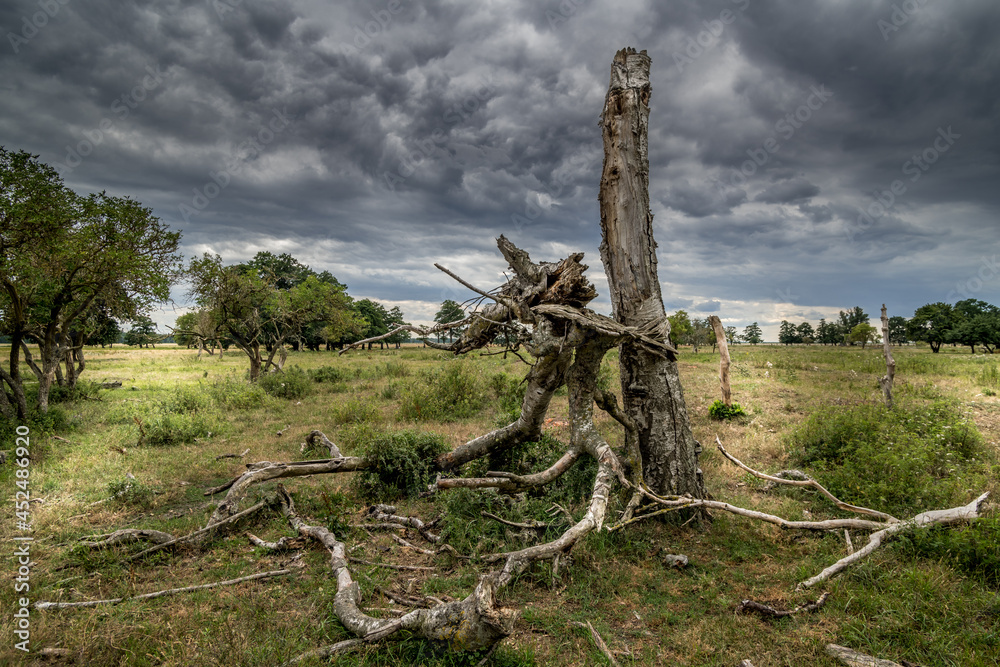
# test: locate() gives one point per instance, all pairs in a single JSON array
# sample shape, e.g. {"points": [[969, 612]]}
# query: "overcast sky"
{"points": [[805, 157]]}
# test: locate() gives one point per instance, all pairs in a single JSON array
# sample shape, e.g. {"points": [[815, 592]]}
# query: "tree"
{"points": [[828, 333], [787, 333], [805, 333], [752, 334], [699, 334], [680, 327], [143, 333], [394, 321], [975, 323], [450, 312], [864, 333], [897, 330], [932, 324], [63, 255], [731, 335], [849, 320]]}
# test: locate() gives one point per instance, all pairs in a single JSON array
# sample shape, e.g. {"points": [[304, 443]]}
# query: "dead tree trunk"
{"points": [[724, 362], [890, 363], [651, 388]]}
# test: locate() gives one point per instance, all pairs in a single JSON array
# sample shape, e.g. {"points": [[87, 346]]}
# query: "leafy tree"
{"points": [[450, 312], [700, 333], [731, 334], [283, 271], [376, 319], [787, 333], [61, 257], [897, 330], [143, 333], [394, 320], [680, 327], [849, 320], [102, 329], [932, 324], [752, 334], [975, 323], [828, 333], [805, 333], [864, 333]]}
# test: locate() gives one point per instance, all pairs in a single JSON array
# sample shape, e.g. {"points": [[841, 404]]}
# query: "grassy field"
{"points": [[928, 598]]}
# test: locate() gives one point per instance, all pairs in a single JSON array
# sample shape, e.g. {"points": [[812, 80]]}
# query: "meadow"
{"points": [[141, 456]]}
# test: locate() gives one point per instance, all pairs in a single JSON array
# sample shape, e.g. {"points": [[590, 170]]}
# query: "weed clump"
{"points": [[721, 411], [328, 374], [401, 464], [232, 392], [902, 461], [130, 492], [291, 383], [163, 429], [355, 411], [446, 394], [971, 549]]}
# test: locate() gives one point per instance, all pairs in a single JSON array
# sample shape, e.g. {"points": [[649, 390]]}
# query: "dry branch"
{"points": [[126, 536], [212, 528], [855, 659], [890, 363], [720, 340], [749, 606], [808, 481], [158, 594], [598, 640]]}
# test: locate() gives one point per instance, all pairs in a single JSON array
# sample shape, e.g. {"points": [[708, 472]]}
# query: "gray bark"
{"points": [[651, 388]]}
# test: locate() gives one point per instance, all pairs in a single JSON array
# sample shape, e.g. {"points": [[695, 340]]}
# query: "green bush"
{"points": [[162, 429], [901, 461], [355, 411], [972, 549], [720, 410], [290, 383], [330, 374], [990, 376], [453, 392], [401, 464], [390, 369], [188, 399], [130, 492], [233, 392]]}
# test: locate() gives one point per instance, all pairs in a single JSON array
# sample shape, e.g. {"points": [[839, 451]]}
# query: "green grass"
{"points": [[928, 597]]}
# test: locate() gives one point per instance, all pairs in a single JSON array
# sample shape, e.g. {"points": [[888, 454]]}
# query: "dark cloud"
{"points": [[419, 134]]}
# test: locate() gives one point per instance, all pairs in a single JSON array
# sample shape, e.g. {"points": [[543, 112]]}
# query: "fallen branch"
{"points": [[169, 591], [233, 456], [204, 532], [749, 606], [597, 640], [808, 481], [922, 520], [126, 536], [413, 568], [855, 659]]}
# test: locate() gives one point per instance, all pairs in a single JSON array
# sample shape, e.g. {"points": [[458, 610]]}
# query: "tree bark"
{"points": [[724, 362], [651, 387], [890, 363]]}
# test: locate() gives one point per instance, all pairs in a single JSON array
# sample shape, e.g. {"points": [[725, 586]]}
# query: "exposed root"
{"points": [[126, 536]]}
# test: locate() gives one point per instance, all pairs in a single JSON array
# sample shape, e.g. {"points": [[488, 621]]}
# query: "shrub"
{"points": [[391, 369], [130, 492], [240, 394], [446, 394], [902, 461], [163, 429], [990, 376], [188, 399], [290, 383], [401, 464], [330, 374], [720, 410], [355, 411], [972, 548]]}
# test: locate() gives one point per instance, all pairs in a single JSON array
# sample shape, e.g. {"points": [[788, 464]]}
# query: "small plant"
{"points": [[291, 383], [130, 492], [453, 392], [990, 377], [390, 391], [166, 429], [989, 392], [355, 411], [401, 464], [329, 374], [721, 411], [233, 392]]}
